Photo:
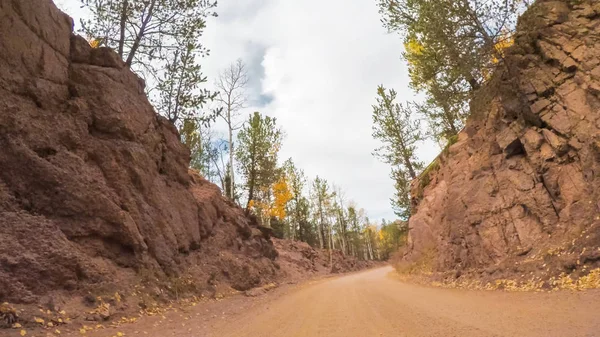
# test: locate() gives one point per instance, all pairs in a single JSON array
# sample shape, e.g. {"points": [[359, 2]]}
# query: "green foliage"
{"points": [[401, 201], [445, 109], [392, 236], [321, 200], [278, 227], [145, 31], [425, 176], [259, 142], [452, 47], [395, 127], [298, 206], [179, 92], [159, 39], [451, 141], [205, 151], [397, 130], [450, 40]]}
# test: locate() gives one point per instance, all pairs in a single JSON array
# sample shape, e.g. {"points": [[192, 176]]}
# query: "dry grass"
{"points": [[423, 265], [562, 282]]}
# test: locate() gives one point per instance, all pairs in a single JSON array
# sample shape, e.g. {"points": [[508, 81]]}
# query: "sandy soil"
{"points": [[374, 303]]}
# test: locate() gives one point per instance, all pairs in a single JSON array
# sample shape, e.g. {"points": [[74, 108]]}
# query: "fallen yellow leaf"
{"points": [[82, 331], [50, 324], [23, 332], [38, 320], [16, 325], [57, 332]]}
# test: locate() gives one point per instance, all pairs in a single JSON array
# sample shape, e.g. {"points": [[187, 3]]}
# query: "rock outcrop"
{"points": [[94, 185], [521, 187]]}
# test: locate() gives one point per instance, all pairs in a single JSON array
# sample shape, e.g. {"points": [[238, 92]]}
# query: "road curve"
{"points": [[373, 304]]}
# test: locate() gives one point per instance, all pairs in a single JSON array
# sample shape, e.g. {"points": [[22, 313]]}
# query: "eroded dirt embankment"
{"points": [[99, 215], [94, 186]]}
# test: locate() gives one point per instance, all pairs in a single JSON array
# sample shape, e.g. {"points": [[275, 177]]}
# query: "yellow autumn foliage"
{"points": [[95, 43], [505, 41], [282, 195], [414, 47], [276, 208]]}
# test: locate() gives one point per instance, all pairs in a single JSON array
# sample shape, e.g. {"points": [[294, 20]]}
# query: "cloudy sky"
{"points": [[315, 66]]}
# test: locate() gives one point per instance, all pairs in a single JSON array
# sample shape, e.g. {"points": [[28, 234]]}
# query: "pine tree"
{"points": [[160, 41], [452, 47], [259, 142], [179, 94], [451, 40], [321, 199], [395, 128], [297, 181]]}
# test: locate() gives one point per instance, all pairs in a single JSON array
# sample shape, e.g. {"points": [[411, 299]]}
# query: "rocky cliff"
{"points": [[519, 193], [94, 185]]}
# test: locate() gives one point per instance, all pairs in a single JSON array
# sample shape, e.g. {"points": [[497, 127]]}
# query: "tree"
{"points": [[297, 180], [281, 196], [445, 110], [306, 228], [206, 153], [452, 47], [143, 31], [391, 237], [451, 39], [231, 84], [393, 126], [354, 230], [179, 95], [259, 143], [401, 200], [370, 235], [321, 200], [341, 218], [159, 39]]}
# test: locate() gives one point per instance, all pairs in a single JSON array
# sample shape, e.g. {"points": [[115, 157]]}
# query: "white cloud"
{"points": [[320, 62]]}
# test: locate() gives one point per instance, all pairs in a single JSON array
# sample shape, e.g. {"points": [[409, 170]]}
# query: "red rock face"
{"points": [[524, 175], [92, 182]]}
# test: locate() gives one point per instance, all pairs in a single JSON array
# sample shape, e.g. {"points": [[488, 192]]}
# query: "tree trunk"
{"points": [[330, 247], [321, 239], [122, 28], [231, 150], [140, 35], [250, 195]]}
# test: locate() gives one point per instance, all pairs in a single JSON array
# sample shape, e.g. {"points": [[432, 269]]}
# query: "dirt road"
{"points": [[373, 304]]}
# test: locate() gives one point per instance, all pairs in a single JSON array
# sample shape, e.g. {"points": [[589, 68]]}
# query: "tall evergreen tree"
{"points": [[259, 142], [394, 127], [321, 199], [297, 181], [451, 47], [450, 39]]}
